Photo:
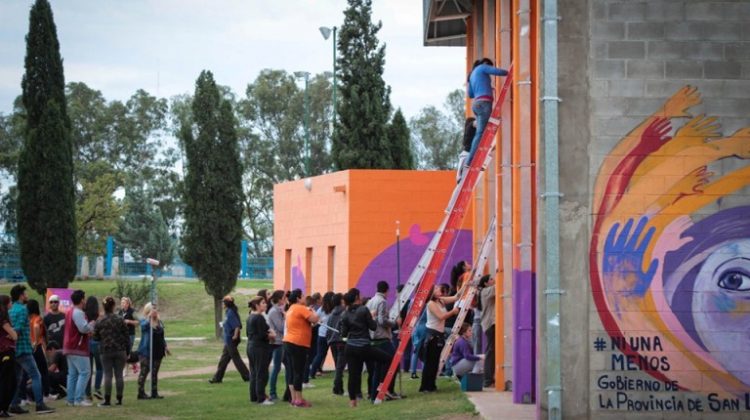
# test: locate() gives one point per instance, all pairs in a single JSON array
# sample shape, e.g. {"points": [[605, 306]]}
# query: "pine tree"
{"points": [[361, 139], [400, 142], [46, 191], [213, 199]]}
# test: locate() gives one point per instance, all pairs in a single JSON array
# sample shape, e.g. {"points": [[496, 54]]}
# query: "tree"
{"points": [[46, 192], [437, 135], [98, 212], [213, 187], [272, 144], [398, 134], [361, 139], [144, 232]]}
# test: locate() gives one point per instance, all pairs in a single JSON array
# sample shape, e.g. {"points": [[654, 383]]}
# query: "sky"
{"points": [[119, 46]]}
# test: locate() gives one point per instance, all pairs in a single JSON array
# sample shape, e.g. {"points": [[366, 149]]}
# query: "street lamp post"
{"points": [[326, 32], [306, 76]]}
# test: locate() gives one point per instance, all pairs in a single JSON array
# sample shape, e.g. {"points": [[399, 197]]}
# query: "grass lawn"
{"points": [[188, 312]]}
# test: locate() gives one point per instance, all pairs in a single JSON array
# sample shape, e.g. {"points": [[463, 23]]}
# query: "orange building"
{"points": [[336, 231]]}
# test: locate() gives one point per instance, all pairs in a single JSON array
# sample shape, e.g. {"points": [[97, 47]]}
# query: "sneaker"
{"points": [[414, 376], [15, 409], [23, 403], [84, 403], [4, 414], [308, 385], [70, 404], [273, 397], [104, 404], [44, 408], [214, 381], [302, 404], [392, 396], [50, 398], [98, 394], [267, 402]]}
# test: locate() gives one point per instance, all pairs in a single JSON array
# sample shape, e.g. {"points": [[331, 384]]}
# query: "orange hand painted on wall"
{"points": [[670, 249]]}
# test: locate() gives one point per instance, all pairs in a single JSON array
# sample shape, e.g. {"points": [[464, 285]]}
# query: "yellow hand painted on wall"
{"points": [[670, 249]]}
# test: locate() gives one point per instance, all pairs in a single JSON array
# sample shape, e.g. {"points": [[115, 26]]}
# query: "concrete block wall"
{"points": [[621, 61]]}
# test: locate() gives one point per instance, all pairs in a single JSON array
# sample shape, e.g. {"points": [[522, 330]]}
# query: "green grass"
{"points": [[188, 312], [193, 397]]}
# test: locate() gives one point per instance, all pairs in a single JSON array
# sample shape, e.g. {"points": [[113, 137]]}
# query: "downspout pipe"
{"points": [[551, 197]]}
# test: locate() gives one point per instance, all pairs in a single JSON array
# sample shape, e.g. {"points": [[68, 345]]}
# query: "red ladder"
{"points": [[452, 223]]}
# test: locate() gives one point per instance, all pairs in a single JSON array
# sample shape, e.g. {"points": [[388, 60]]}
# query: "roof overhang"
{"points": [[445, 22]]}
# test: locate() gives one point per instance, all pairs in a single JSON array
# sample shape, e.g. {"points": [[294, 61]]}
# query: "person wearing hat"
{"points": [[54, 320], [232, 326]]}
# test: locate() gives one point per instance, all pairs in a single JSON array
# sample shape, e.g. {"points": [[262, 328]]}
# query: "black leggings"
{"points": [[355, 358], [260, 359], [7, 379], [296, 357]]}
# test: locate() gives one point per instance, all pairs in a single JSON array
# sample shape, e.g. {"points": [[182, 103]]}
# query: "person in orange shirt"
{"points": [[39, 343], [297, 339]]}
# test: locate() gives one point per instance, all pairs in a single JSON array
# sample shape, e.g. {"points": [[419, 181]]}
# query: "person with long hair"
{"points": [[39, 342], [8, 337], [76, 349], [459, 275], [127, 313], [322, 346], [435, 336], [231, 326], [336, 342], [114, 340], [276, 323], [479, 89], [95, 359], [259, 336], [356, 326], [151, 325], [297, 340]]}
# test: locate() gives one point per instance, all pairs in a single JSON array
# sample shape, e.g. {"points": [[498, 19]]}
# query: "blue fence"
{"points": [[10, 264]]}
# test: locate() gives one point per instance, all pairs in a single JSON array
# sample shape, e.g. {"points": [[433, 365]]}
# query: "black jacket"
{"points": [[357, 323]]}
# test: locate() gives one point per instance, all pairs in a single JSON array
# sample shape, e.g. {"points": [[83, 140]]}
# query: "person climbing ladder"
{"points": [[479, 89]]}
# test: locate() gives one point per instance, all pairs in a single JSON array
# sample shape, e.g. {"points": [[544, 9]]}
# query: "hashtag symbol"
{"points": [[600, 344]]}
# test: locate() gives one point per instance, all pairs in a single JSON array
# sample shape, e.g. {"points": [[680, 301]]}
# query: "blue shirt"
{"points": [[19, 319], [479, 80], [231, 322]]}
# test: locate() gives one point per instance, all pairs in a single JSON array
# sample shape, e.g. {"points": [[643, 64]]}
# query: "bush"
{"points": [[139, 292]]}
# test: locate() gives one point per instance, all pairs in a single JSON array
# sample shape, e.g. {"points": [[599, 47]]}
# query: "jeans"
{"points": [[355, 358], [95, 360], [8, 380], [260, 357], [276, 354], [311, 352], [339, 357], [113, 364], [320, 357], [79, 371], [145, 370], [230, 352], [482, 111], [414, 356], [26, 364], [41, 363], [381, 368]]}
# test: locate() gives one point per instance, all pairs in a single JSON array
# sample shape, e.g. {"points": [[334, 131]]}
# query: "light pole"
{"points": [[306, 76], [326, 32]]}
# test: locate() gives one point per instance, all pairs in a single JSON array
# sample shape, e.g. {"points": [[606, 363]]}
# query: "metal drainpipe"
{"points": [[552, 210]]}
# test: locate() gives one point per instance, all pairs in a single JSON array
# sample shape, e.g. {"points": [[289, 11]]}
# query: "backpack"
{"points": [[334, 321]]}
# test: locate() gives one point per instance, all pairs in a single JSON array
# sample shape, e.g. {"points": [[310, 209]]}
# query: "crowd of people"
{"points": [[51, 357], [289, 329]]}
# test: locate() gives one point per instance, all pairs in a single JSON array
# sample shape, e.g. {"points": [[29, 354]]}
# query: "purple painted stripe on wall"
{"points": [[524, 337]]}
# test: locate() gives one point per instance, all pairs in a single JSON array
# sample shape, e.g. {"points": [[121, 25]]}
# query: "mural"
{"points": [[670, 265], [383, 266]]}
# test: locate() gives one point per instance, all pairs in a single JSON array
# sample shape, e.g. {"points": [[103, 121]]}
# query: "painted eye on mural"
{"points": [[735, 280]]}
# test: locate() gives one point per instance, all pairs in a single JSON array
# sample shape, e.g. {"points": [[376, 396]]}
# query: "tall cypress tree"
{"points": [[213, 187], [46, 192], [361, 139], [400, 144]]}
